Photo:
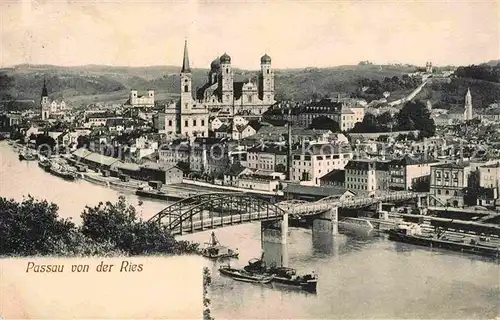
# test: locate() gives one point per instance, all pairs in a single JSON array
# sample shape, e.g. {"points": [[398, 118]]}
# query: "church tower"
{"points": [[468, 106], [186, 82], [266, 91], [44, 102], [226, 79]]}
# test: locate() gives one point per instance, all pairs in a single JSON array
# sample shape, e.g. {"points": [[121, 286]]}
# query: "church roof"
{"points": [[225, 58], [265, 59], [44, 90], [185, 61]]}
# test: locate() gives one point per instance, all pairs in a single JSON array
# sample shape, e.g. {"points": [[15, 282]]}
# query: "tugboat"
{"points": [[242, 275], [214, 250], [283, 275]]}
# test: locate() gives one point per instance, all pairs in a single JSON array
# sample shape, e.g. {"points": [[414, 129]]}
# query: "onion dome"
{"points": [[265, 59], [225, 58], [215, 64]]}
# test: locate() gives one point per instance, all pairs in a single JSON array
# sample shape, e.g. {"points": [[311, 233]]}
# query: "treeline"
{"points": [[413, 116], [33, 227], [480, 72], [389, 84]]}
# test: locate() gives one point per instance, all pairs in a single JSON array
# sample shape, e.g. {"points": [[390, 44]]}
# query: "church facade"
{"points": [[221, 95], [49, 107], [248, 97]]}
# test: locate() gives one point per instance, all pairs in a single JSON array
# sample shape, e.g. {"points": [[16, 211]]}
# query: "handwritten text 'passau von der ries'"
{"points": [[125, 266]]}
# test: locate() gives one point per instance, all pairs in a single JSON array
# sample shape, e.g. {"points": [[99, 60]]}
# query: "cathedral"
{"points": [[50, 108], [220, 96], [248, 97]]}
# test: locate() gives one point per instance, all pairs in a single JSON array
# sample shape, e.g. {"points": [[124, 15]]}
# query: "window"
{"points": [[227, 70], [194, 122], [186, 123], [186, 89], [267, 71], [169, 123], [202, 123]]}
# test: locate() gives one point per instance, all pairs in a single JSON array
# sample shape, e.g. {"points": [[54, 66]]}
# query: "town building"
{"points": [[267, 158], [346, 112], [141, 101], [447, 183], [312, 162], [408, 172], [49, 107], [367, 175]]}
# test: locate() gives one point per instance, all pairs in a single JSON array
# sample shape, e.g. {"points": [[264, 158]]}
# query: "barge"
{"points": [[412, 234], [45, 164], [157, 194]]}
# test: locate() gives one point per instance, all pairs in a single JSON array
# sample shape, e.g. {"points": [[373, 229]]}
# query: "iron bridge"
{"points": [[215, 210]]}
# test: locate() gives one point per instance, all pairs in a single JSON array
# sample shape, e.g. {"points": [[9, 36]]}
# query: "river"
{"points": [[360, 276]]}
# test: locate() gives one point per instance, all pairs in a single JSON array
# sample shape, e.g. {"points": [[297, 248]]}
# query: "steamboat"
{"points": [[242, 275], [283, 275]]}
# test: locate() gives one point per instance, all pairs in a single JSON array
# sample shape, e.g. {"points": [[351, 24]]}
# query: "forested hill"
{"points": [[95, 83], [483, 81], [85, 84]]}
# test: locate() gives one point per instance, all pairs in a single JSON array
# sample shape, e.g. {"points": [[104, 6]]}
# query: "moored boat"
{"points": [[28, 156], [214, 250], [242, 275], [283, 275], [355, 223], [61, 172], [412, 234]]}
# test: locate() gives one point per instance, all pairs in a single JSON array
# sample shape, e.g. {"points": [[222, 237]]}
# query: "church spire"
{"points": [[185, 61], [44, 89]]}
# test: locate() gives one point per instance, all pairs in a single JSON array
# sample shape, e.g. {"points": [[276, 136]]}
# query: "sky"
{"points": [[295, 34]]}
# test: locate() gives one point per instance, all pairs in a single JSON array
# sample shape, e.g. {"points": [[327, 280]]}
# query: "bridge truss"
{"points": [[214, 210]]}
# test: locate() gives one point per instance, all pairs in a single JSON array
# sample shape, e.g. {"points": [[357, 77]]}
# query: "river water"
{"points": [[360, 276]]}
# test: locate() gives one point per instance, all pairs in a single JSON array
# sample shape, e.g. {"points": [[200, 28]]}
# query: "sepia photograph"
{"points": [[238, 159]]}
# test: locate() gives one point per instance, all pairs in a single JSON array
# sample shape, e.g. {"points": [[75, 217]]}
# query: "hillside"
{"points": [[93, 83], [483, 81]]}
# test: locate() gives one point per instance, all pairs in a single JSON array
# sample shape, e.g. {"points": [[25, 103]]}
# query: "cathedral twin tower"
{"points": [[222, 92]]}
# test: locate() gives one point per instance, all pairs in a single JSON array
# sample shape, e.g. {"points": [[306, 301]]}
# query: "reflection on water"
{"points": [[360, 275], [23, 178]]}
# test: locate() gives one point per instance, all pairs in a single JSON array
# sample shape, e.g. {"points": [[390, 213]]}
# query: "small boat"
{"points": [[214, 250], [28, 156], [355, 224], [283, 275], [242, 275]]}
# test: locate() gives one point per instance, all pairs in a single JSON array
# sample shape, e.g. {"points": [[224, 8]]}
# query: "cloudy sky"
{"points": [[293, 33]]}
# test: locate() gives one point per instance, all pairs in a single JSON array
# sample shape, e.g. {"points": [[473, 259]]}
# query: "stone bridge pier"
{"points": [[274, 237], [325, 226]]}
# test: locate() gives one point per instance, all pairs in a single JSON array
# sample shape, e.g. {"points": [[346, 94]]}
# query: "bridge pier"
{"points": [[327, 221], [379, 206], [274, 237]]}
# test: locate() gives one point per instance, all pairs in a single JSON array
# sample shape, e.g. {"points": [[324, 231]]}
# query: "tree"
{"points": [[83, 142], [32, 227], [324, 123], [416, 116], [385, 119], [368, 125]]}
